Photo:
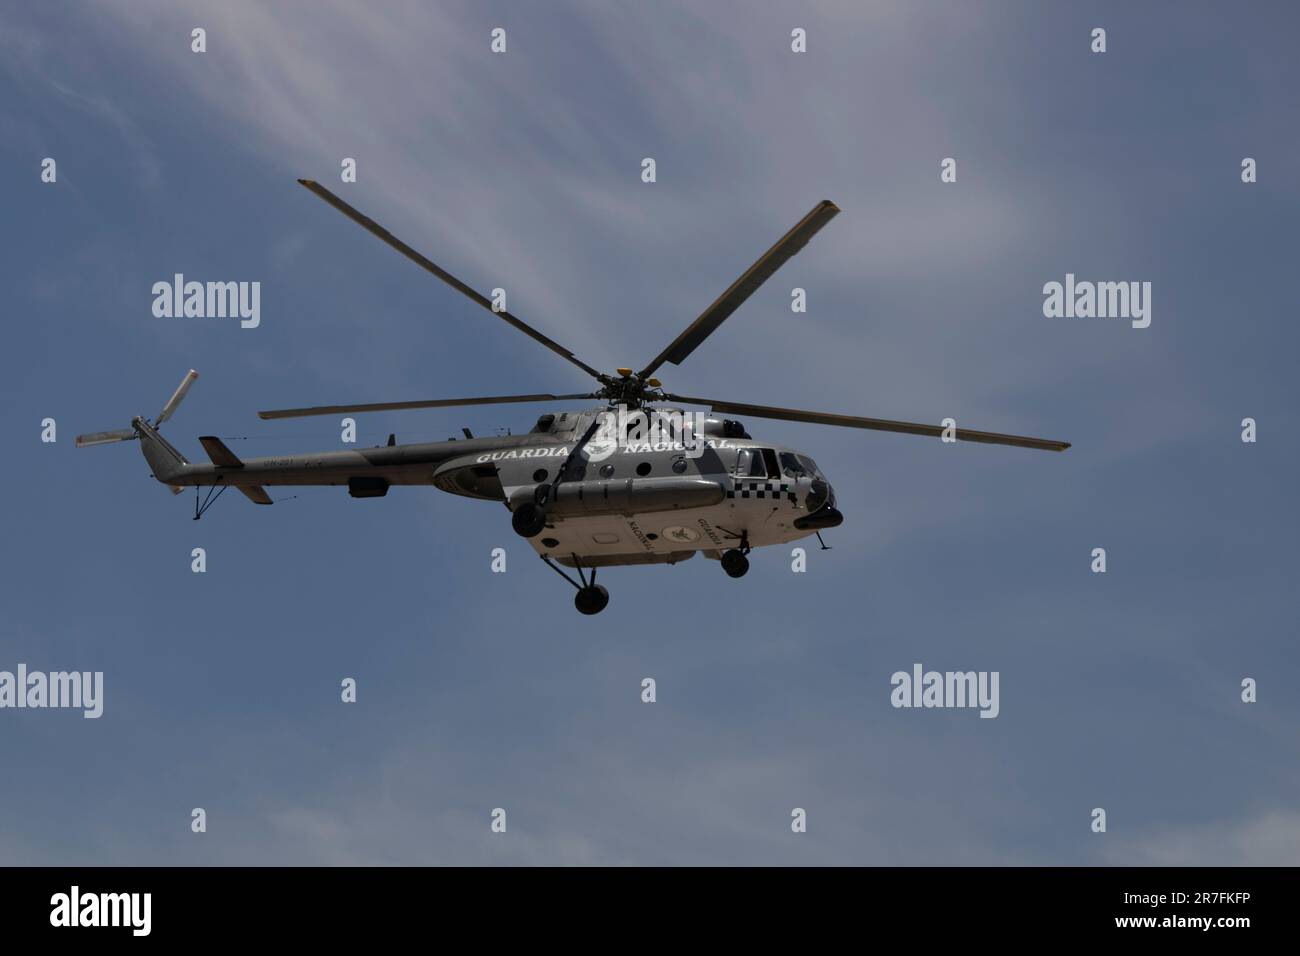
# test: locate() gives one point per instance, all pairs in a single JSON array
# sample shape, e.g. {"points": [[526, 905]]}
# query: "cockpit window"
{"points": [[799, 466]]}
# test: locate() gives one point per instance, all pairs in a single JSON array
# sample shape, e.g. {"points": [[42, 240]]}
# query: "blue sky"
{"points": [[481, 690]]}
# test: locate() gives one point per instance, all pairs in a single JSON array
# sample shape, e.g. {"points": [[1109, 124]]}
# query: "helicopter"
{"points": [[636, 480]]}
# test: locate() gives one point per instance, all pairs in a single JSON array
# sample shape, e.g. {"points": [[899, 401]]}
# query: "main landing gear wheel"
{"points": [[528, 520], [591, 599], [735, 563]]}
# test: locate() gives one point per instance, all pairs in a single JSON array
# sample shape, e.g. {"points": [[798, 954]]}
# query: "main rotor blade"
{"points": [[402, 406], [369, 224], [744, 287], [878, 424]]}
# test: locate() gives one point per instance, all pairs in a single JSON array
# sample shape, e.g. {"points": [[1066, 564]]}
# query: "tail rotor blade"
{"points": [[177, 397], [105, 438]]}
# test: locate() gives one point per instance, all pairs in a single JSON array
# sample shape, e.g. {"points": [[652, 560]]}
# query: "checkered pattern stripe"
{"points": [[763, 489]]}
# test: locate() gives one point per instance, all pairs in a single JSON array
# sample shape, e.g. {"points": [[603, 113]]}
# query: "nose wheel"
{"points": [[735, 562]]}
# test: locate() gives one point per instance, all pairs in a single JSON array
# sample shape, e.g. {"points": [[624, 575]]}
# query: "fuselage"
{"points": [[620, 500]]}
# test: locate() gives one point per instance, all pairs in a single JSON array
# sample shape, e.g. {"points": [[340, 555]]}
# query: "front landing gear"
{"points": [[591, 597], [735, 562]]}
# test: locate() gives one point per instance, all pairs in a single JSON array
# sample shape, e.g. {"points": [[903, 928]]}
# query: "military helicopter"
{"points": [[634, 481]]}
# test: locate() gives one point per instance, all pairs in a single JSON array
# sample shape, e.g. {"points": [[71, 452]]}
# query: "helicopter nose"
{"points": [[818, 494], [828, 517], [822, 512]]}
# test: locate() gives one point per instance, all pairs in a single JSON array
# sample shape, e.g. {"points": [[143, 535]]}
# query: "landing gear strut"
{"points": [[214, 492], [591, 597], [735, 562]]}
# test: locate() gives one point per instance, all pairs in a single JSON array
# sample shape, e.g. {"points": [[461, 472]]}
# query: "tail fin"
{"points": [[167, 463]]}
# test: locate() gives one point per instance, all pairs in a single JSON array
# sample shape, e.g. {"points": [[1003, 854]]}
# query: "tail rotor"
{"points": [[128, 434]]}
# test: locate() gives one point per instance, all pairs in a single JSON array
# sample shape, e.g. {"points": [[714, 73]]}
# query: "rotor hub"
{"points": [[630, 390]]}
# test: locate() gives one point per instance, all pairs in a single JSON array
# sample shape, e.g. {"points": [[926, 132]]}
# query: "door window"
{"points": [[756, 463]]}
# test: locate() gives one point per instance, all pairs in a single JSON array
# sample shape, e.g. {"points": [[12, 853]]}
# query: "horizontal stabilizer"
{"points": [[256, 494], [221, 456]]}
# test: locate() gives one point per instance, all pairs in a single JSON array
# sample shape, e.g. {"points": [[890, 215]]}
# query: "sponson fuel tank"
{"points": [[627, 496]]}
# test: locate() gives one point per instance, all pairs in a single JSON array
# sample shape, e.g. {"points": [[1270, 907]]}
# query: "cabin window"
{"points": [[606, 471], [753, 463], [643, 469]]}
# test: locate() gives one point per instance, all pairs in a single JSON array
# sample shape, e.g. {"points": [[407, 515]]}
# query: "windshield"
{"points": [[799, 466]]}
